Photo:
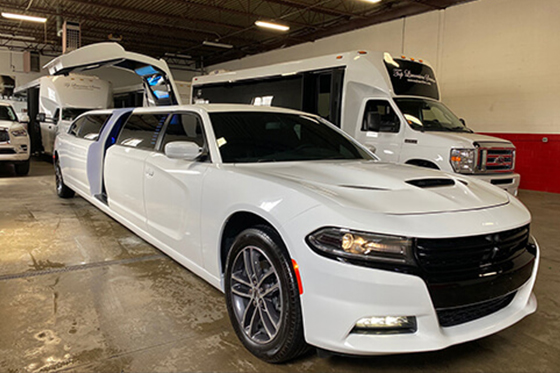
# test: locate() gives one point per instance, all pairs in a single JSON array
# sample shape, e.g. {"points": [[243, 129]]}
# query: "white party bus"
{"points": [[391, 105]]}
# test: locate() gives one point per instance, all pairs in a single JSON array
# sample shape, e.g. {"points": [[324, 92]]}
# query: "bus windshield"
{"points": [[427, 115]]}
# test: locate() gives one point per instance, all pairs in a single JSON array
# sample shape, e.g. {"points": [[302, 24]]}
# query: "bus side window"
{"points": [[379, 116]]}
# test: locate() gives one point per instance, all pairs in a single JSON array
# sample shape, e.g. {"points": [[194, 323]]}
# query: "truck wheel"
{"points": [[262, 296], [61, 189], [22, 168]]}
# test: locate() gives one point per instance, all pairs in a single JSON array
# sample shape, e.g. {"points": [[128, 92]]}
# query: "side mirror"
{"points": [[186, 150], [41, 117], [24, 118], [463, 121]]}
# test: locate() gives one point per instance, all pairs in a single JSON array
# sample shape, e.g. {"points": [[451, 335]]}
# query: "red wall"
{"points": [[537, 162]]}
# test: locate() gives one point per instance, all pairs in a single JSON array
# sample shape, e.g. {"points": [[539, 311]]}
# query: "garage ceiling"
{"points": [[157, 27]]}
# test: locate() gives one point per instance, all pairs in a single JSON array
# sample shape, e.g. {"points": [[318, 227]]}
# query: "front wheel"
{"points": [[62, 190], [262, 296]]}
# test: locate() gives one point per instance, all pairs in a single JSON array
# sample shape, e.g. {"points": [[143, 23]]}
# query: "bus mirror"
{"points": [[41, 117]]}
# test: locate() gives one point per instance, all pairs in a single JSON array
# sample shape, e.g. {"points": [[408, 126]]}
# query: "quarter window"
{"points": [[141, 131], [379, 116], [89, 126]]}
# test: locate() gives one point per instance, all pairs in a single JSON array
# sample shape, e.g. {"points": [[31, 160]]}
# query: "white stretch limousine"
{"points": [[310, 237]]}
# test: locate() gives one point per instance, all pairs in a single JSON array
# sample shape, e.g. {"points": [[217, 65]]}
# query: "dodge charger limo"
{"points": [[313, 241]]}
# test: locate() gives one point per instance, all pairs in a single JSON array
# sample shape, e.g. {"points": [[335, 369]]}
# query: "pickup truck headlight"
{"points": [[463, 160], [19, 133], [367, 246]]}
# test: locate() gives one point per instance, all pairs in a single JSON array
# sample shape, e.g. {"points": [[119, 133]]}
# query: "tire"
{"points": [[262, 296], [22, 168], [62, 190]]}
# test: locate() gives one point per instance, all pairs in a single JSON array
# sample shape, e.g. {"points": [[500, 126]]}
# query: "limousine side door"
{"points": [[84, 132], [124, 166], [173, 189]]}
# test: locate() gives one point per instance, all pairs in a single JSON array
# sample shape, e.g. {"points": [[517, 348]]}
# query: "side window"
{"points": [[183, 127], [75, 127], [91, 126], [379, 116], [141, 131]]}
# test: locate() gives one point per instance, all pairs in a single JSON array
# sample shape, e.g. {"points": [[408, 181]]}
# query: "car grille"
{"points": [[495, 159], [461, 315], [468, 277], [4, 136], [468, 257]]}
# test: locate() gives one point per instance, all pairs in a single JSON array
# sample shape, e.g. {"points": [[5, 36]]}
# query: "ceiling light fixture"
{"points": [[275, 26], [372, 1], [23, 17], [217, 45], [20, 37], [177, 55]]}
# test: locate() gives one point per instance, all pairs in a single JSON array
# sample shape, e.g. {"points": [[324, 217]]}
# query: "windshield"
{"points": [[72, 113], [244, 137], [426, 115], [7, 113]]}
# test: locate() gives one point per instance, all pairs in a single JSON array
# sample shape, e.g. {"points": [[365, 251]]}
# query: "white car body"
{"points": [[364, 77], [183, 208], [14, 140]]}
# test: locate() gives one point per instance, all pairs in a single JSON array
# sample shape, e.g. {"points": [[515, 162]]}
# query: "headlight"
{"points": [[19, 133], [463, 160], [351, 244]]}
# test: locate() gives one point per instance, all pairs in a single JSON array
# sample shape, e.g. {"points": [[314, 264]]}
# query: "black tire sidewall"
{"points": [[274, 249]]}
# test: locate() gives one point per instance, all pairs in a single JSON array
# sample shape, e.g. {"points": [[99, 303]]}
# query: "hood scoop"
{"points": [[431, 183]]}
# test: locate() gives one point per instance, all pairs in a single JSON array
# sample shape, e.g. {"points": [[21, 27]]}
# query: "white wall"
{"points": [[496, 60]]}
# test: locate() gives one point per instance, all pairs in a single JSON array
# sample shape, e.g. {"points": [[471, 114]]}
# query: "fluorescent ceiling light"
{"points": [[10, 36], [372, 1], [271, 25], [217, 45], [177, 55], [23, 17]]}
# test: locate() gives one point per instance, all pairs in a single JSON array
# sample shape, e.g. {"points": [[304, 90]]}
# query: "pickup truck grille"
{"points": [[4, 136], [495, 159]]}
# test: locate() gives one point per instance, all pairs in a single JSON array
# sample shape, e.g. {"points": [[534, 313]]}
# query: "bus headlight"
{"points": [[463, 160]]}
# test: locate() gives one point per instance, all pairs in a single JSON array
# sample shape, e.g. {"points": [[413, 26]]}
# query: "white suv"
{"points": [[14, 140]]}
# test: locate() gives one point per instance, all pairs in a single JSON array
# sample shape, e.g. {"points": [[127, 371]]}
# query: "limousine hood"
{"points": [[383, 187]]}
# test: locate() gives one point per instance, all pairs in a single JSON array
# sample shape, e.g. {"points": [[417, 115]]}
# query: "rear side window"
{"points": [[183, 127], [141, 131], [89, 127]]}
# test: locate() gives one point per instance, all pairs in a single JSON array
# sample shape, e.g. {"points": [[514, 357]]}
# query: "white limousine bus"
{"points": [[313, 240], [392, 105]]}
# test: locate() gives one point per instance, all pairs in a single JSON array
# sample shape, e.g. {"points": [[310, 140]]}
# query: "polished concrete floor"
{"points": [[81, 293]]}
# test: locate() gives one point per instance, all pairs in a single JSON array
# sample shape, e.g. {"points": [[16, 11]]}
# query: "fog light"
{"points": [[386, 325]]}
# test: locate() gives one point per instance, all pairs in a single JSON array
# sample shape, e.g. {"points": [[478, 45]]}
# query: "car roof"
{"points": [[216, 108]]}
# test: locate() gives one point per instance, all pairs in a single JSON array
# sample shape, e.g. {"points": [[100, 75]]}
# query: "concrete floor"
{"points": [[81, 293]]}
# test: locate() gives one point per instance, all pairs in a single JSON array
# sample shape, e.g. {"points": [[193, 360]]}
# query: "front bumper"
{"points": [[349, 293], [508, 182], [337, 294], [15, 150]]}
